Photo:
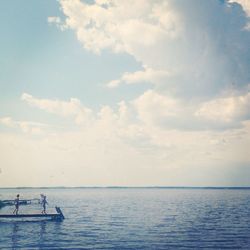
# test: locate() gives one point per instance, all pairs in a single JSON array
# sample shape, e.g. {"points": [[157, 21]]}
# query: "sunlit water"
{"points": [[102, 218]]}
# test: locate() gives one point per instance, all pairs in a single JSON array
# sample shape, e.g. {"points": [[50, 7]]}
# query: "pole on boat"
{"points": [[59, 211]]}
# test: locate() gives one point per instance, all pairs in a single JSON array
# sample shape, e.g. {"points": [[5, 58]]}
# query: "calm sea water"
{"points": [[132, 218]]}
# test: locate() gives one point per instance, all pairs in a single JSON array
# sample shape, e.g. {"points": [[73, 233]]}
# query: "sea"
{"points": [[131, 218]]}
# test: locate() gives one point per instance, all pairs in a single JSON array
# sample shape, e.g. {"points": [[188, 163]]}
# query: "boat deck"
{"points": [[54, 216], [28, 215]]}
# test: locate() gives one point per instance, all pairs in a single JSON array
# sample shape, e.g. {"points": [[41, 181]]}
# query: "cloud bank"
{"points": [[189, 49], [195, 54], [190, 127]]}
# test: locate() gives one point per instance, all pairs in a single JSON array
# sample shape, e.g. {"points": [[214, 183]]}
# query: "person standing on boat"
{"points": [[44, 203], [16, 203]]}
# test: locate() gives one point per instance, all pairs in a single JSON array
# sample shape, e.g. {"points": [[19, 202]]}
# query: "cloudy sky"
{"points": [[125, 93]]}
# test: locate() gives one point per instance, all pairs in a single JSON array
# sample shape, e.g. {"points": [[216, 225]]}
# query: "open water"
{"points": [[132, 218]]}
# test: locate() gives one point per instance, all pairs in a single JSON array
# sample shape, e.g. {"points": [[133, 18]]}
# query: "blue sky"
{"points": [[108, 95], [38, 58]]}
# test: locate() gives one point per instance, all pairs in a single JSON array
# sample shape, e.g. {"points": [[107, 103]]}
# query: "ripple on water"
{"points": [[135, 219]]}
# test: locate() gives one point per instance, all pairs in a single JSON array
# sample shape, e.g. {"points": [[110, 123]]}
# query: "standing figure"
{"points": [[44, 203], [16, 203]]}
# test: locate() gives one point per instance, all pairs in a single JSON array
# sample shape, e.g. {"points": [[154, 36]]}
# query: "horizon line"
{"points": [[110, 187]]}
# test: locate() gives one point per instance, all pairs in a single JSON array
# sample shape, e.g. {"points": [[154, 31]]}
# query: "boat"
{"points": [[58, 216]]}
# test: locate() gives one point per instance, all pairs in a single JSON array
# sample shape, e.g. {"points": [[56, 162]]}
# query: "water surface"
{"points": [[132, 218]]}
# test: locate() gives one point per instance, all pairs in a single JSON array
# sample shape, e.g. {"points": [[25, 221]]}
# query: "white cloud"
{"points": [[7, 121], [151, 109], [117, 26], [228, 109], [122, 143], [54, 19], [72, 108], [190, 57], [26, 126], [146, 75], [154, 108], [57, 21], [98, 156], [205, 53], [167, 112], [192, 54]]}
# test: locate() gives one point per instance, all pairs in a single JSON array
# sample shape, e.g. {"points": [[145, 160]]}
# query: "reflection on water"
{"points": [[14, 236], [17, 237], [42, 233], [22, 234], [136, 219]]}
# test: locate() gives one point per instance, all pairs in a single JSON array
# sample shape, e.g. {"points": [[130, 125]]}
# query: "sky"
{"points": [[124, 93]]}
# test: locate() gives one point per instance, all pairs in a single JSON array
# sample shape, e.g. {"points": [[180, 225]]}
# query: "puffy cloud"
{"points": [[229, 109], [146, 75], [7, 121], [192, 52], [115, 25], [122, 142], [57, 21], [151, 109], [171, 113], [26, 126], [154, 108], [94, 157], [54, 19], [72, 108], [203, 44]]}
